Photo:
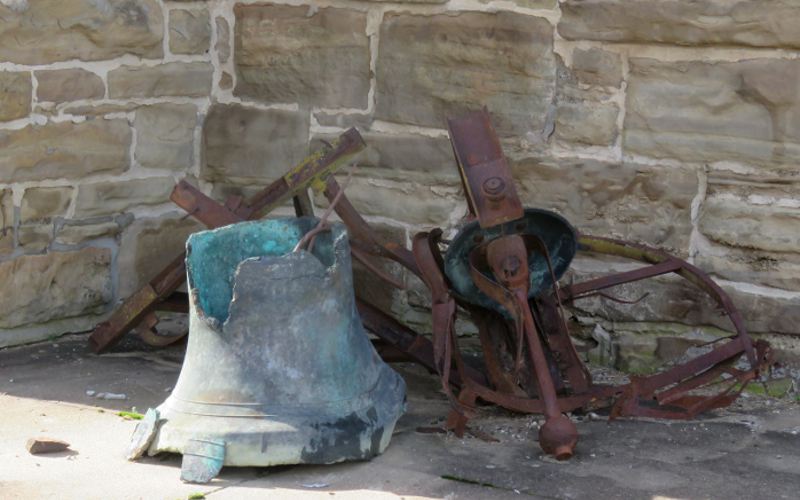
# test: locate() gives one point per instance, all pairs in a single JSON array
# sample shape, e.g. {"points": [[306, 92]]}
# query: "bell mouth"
{"points": [[557, 235], [213, 257]]}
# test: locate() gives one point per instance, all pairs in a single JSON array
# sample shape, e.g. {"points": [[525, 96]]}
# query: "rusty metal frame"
{"points": [[531, 363], [547, 375]]}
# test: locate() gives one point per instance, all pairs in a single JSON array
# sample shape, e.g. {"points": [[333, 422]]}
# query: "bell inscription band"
{"points": [[278, 367]]}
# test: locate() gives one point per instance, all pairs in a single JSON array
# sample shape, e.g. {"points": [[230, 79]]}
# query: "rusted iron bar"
{"points": [[312, 170], [484, 171], [573, 292]]}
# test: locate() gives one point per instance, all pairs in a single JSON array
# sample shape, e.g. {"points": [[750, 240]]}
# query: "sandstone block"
{"points": [[405, 156], [648, 204], [61, 85], [15, 98], [165, 135], [147, 245], [670, 298], [168, 79], [42, 203], [252, 143], [319, 57], [734, 221], [754, 232], [108, 197], [597, 67], [412, 1], [189, 31], [35, 238], [683, 22], [705, 112], [532, 4], [429, 155], [72, 234], [372, 289], [344, 120], [589, 123], [6, 221], [408, 202], [745, 265], [225, 81], [54, 286], [99, 109], [223, 45], [64, 150], [6, 240], [431, 67], [584, 112], [6, 209], [45, 31]]}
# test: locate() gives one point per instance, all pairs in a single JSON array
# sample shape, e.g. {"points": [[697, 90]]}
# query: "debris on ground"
{"points": [[43, 445], [110, 395]]}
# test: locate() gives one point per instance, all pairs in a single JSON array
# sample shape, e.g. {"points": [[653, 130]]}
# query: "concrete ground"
{"points": [[751, 450]]}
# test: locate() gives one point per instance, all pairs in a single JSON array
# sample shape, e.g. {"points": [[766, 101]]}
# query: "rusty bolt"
{"points": [[494, 188]]}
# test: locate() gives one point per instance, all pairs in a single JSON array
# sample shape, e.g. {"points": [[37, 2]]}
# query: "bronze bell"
{"points": [[278, 367]]}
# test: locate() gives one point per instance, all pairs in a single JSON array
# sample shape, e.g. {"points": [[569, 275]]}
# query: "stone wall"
{"points": [[670, 122]]}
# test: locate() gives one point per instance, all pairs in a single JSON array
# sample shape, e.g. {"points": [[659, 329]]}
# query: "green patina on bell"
{"points": [[278, 367], [555, 233]]}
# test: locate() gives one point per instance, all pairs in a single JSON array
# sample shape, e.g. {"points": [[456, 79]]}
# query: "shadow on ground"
{"points": [[751, 450]]}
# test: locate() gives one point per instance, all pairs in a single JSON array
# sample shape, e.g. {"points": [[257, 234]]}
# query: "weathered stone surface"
{"points": [[72, 234], [683, 22], [148, 245], [252, 143], [409, 202], [411, 1], [42, 203], [6, 208], [755, 232], [61, 85], [767, 223], [64, 150], [319, 57], [100, 109], [648, 204], [344, 120], [45, 31], [697, 111], [587, 122], [584, 115], [744, 265], [108, 197], [223, 45], [369, 287], [168, 79], [670, 298], [404, 156], [6, 240], [53, 286], [532, 4], [597, 67], [189, 31], [165, 135], [15, 98], [431, 155], [431, 67], [766, 313], [35, 238], [225, 81], [6, 221]]}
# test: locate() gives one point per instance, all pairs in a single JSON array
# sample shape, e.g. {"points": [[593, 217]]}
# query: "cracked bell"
{"points": [[278, 367]]}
